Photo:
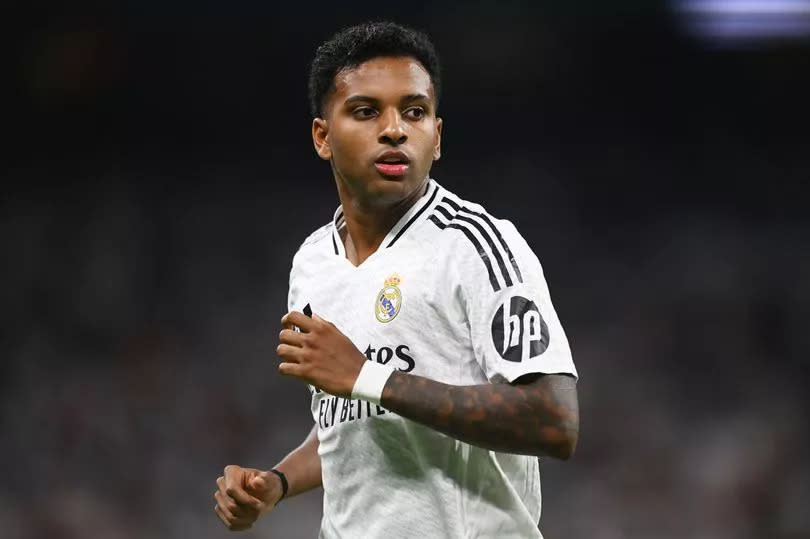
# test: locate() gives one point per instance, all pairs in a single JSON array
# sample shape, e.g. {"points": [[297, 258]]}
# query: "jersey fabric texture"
{"points": [[455, 295]]}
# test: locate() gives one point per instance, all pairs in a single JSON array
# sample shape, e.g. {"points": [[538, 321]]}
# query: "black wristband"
{"points": [[284, 485]]}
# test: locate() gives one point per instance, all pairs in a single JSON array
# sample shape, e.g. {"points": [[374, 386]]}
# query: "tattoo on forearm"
{"points": [[538, 417]]}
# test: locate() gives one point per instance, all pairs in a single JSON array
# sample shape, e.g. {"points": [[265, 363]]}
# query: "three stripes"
{"points": [[448, 214]]}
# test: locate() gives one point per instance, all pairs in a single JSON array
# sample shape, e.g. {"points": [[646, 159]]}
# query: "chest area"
{"points": [[389, 306], [384, 295]]}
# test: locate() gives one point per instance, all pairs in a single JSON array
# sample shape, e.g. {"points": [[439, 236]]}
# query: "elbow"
{"points": [[563, 442], [568, 432], [565, 449]]}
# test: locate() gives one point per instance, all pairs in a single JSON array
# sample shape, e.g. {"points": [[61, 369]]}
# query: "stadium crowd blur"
{"points": [[161, 177]]}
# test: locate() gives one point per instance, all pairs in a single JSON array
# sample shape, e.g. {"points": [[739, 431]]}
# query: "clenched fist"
{"points": [[245, 494], [319, 354]]}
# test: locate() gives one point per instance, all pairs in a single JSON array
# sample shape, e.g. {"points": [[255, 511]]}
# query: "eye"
{"points": [[363, 113], [415, 113]]}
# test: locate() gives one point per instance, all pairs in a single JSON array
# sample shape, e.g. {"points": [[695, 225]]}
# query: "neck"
{"points": [[368, 224]]}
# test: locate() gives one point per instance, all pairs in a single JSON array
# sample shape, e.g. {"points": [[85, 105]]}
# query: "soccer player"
{"points": [[422, 324]]}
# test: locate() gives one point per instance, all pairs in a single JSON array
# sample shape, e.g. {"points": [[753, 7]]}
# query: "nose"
{"points": [[393, 129]]}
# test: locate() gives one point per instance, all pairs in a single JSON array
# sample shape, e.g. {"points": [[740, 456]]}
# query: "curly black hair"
{"points": [[354, 45]]}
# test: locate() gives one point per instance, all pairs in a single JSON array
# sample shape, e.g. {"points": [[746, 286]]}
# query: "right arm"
{"points": [[245, 494]]}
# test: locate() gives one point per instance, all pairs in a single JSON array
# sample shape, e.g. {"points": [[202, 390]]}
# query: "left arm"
{"points": [[536, 415]]}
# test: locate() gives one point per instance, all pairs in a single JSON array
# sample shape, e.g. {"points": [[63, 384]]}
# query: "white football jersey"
{"points": [[455, 295]]}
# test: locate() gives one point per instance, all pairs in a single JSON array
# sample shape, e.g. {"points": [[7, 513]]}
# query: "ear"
{"points": [[437, 149], [320, 138]]}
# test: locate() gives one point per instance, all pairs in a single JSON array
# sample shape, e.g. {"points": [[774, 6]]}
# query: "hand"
{"points": [[319, 354], [245, 494]]}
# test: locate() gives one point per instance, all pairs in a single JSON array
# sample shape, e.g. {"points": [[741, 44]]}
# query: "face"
{"points": [[380, 131]]}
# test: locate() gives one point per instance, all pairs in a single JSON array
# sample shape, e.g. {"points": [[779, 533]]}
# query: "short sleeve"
{"points": [[513, 325]]}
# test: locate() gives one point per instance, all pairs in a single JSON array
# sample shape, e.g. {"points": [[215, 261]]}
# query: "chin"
{"points": [[387, 190]]}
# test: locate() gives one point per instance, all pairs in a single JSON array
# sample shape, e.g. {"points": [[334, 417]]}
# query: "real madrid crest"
{"points": [[389, 300]]}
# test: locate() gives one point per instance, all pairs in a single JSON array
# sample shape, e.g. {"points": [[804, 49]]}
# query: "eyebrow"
{"points": [[368, 99], [415, 97]]}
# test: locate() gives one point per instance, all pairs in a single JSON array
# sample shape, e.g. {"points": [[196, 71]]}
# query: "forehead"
{"points": [[384, 77]]}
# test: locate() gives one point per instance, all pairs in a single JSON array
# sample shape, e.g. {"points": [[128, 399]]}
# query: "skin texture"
{"points": [[536, 416], [384, 104]]}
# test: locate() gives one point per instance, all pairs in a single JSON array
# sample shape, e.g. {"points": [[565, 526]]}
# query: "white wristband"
{"points": [[371, 381]]}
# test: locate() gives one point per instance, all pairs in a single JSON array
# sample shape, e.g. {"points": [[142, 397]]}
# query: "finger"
{"points": [[227, 502], [233, 524], [222, 516], [260, 482], [291, 369], [289, 353], [226, 505], [288, 336], [235, 510], [298, 319], [240, 497], [321, 320]]}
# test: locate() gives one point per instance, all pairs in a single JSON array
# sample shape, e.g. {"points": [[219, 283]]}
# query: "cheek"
{"points": [[425, 141], [348, 144]]}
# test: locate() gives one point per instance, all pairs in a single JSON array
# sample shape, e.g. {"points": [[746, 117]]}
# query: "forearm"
{"points": [[536, 418], [302, 466]]}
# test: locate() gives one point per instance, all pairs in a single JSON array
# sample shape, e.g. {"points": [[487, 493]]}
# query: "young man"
{"points": [[437, 365]]}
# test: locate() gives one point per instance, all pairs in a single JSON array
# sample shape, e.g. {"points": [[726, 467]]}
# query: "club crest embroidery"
{"points": [[389, 300]]}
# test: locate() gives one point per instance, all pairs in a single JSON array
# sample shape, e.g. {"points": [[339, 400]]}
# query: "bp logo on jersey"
{"points": [[518, 330], [389, 300]]}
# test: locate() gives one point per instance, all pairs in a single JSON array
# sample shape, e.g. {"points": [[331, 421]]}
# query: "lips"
{"points": [[392, 163]]}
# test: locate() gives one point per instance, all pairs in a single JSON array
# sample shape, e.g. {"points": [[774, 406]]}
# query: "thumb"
{"points": [[260, 482]]}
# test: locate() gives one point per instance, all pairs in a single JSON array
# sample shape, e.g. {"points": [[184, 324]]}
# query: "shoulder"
{"points": [[317, 244], [452, 211], [477, 242]]}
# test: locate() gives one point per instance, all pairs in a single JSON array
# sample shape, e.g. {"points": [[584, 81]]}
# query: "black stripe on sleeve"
{"points": [[498, 235], [495, 252], [437, 222], [334, 243], [451, 203], [444, 212], [478, 247], [415, 217]]}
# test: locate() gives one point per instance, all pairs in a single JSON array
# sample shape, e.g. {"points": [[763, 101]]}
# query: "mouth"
{"points": [[392, 163]]}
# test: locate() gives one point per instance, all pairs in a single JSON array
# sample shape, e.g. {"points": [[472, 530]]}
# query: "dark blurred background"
{"points": [[159, 176]]}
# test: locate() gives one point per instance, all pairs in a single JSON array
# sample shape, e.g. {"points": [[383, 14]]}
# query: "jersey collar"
{"points": [[414, 214]]}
